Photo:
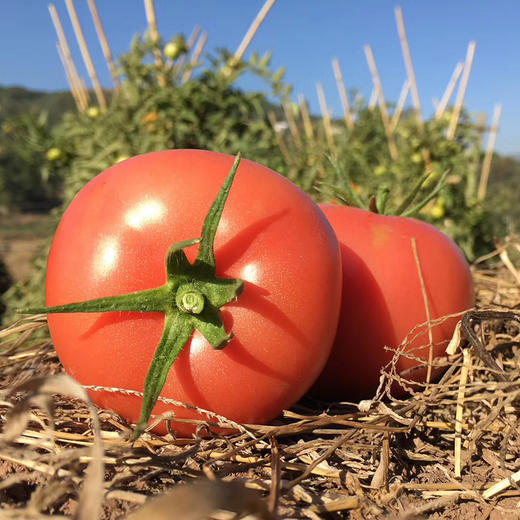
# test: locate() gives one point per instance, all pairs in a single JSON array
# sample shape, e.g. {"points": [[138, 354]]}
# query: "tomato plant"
{"points": [[272, 242], [383, 300]]}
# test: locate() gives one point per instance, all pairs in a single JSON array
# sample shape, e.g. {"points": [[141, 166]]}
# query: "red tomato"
{"points": [[113, 239], [382, 297]]}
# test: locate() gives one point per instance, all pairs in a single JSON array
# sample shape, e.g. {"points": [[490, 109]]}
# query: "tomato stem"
{"points": [[190, 300]]}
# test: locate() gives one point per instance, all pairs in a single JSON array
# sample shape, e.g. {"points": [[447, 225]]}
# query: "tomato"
{"points": [[113, 239], [383, 301]]}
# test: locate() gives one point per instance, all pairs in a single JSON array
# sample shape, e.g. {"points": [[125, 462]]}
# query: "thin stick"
{"points": [[307, 123], [426, 308], [279, 137], [189, 44], [413, 83], [460, 411], [409, 65], [481, 125], [441, 108], [252, 30], [506, 260], [67, 56], [152, 26], [486, 165], [293, 127], [343, 95], [195, 57], [500, 486], [104, 42], [382, 103], [462, 91], [85, 54], [374, 96], [405, 90], [70, 80], [327, 125]]}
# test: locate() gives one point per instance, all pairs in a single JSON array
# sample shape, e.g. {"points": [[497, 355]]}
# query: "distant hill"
{"points": [[19, 100]]}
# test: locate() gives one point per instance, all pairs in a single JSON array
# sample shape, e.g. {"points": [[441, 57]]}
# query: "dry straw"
{"points": [[455, 439]]}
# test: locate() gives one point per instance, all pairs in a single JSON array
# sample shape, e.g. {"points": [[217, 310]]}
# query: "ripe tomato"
{"points": [[382, 297], [113, 239]]}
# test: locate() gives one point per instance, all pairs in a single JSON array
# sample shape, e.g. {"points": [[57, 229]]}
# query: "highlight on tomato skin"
{"points": [[382, 299], [113, 239]]}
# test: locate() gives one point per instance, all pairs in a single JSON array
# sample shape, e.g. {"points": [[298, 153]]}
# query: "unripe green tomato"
{"points": [[438, 210], [93, 112], [380, 170], [172, 50], [53, 154], [416, 158]]}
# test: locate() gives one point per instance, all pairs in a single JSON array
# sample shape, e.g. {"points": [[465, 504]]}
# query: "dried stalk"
{"points": [[405, 90], [103, 42], [82, 92], [307, 124], [460, 411], [426, 309], [441, 108], [382, 103], [327, 124], [409, 66], [86, 54], [189, 45], [347, 114], [154, 34], [70, 80], [455, 116], [195, 57], [486, 165], [260, 17], [293, 127]]}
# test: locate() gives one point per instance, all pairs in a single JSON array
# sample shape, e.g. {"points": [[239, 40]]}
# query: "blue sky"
{"points": [[304, 35]]}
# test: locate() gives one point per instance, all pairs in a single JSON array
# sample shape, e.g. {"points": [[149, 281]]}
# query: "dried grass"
{"points": [[450, 450]]}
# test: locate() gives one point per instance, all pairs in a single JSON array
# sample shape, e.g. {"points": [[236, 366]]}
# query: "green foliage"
{"points": [[445, 172], [26, 183]]}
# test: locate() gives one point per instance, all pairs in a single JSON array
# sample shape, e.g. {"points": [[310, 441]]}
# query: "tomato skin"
{"points": [[382, 299], [113, 239]]}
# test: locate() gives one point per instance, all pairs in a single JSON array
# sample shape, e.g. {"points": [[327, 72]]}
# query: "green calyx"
{"points": [[190, 300]]}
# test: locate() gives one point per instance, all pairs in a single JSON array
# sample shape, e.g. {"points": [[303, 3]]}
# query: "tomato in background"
{"points": [[383, 301], [113, 239]]}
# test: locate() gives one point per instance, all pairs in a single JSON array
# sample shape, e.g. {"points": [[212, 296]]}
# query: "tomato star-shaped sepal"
{"points": [[190, 300]]}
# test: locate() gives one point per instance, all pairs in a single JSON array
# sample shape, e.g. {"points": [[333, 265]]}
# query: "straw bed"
{"points": [[384, 458]]}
